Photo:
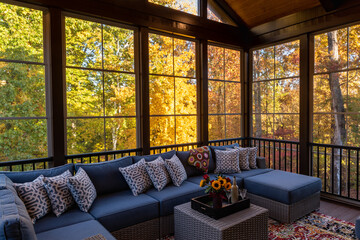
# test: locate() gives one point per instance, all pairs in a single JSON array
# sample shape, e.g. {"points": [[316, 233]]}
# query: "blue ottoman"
{"points": [[288, 196]]}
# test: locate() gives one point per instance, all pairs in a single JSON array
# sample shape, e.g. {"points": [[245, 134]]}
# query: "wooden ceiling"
{"points": [[257, 12]]}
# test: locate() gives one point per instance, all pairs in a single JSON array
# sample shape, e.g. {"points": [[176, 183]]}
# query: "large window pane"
{"points": [[287, 58], [118, 49], [263, 97], [185, 96], [287, 96], [232, 65], [286, 126], [186, 129], [233, 126], [188, 6], [232, 97], [22, 87], [85, 135], [95, 95], [184, 58], [172, 90], [23, 139], [263, 64], [120, 99], [84, 92], [21, 32], [216, 60], [162, 131], [161, 54], [354, 92], [120, 133], [216, 95], [161, 95], [263, 125], [216, 127], [83, 43]]}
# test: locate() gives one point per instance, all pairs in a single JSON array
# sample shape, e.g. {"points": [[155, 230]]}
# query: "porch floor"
{"points": [[338, 210]]}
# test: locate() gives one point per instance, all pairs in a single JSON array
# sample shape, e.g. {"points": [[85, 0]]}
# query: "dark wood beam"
{"points": [[231, 13], [308, 21], [143, 14], [330, 5]]}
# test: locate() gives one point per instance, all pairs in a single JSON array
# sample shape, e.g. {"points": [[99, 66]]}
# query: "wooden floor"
{"points": [[340, 211]]}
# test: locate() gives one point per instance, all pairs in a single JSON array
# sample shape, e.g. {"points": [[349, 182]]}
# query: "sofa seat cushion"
{"points": [[15, 222], [171, 196], [76, 231], [281, 186], [249, 173], [70, 217], [29, 176], [106, 176], [122, 209]]}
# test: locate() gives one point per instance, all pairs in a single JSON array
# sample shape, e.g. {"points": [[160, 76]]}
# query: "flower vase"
{"points": [[217, 201]]}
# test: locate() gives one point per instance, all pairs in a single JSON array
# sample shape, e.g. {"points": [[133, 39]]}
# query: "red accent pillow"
{"points": [[199, 158]]}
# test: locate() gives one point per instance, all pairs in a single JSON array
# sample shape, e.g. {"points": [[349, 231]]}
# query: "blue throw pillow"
{"points": [[212, 163]]}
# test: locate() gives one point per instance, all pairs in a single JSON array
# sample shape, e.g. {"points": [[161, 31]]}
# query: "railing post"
{"points": [[306, 62]]}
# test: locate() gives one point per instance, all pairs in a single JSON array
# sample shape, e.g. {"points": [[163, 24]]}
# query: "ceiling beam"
{"points": [[330, 5], [232, 14]]}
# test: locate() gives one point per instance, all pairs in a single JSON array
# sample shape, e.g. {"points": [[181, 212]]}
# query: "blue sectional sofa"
{"points": [[116, 213]]}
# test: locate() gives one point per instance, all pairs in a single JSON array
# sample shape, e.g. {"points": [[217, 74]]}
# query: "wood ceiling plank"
{"points": [[256, 12]]}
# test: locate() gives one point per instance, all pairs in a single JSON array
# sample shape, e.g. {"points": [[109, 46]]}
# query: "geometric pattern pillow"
{"points": [[227, 161], [244, 158], [252, 157], [136, 177], [176, 170], [58, 192], [35, 198], [199, 158], [82, 190], [158, 173]]}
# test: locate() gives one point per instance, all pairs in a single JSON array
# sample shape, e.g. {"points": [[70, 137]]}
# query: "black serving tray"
{"points": [[202, 204]]}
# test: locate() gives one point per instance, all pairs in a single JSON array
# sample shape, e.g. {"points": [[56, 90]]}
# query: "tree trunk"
{"points": [[257, 101], [337, 106]]}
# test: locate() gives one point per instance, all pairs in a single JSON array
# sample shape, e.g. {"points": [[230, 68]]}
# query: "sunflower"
{"points": [[202, 183], [228, 186], [222, 182], [216, 185]]}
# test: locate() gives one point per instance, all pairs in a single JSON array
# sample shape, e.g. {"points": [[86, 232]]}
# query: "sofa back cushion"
{"points": [[149, 158], [29, 176], [190, 170], [15, 222], [106, 176], [212, 160]]}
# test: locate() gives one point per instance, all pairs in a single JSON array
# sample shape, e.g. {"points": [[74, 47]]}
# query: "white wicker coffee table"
{"points": [[251, 223]]}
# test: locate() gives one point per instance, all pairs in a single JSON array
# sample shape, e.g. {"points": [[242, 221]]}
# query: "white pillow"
{"points": [[158, 173], [82, 190], [244, 158], [227, 161], [136, 177], [176, 170]]}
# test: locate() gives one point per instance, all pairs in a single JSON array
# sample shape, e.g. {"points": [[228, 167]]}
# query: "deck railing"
{"points": [[338, 169], [102, 156], [279, 154], [177, 147], [26, 165]]}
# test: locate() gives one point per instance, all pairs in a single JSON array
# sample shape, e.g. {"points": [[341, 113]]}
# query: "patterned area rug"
{"points": [[312, 226]]}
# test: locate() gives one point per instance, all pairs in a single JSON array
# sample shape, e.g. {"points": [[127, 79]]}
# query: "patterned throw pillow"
{"points": [[227, 161], [199, 158], [82, 190], [158, 173], [252, 157], [35, 198], [136, 177], [59, 194], [176, 170], [244, 158]]}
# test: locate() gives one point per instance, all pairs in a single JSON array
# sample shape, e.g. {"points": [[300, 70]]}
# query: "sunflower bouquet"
{"points": [[217, 187]]}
